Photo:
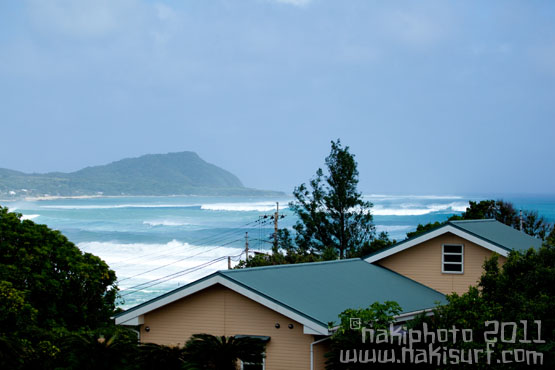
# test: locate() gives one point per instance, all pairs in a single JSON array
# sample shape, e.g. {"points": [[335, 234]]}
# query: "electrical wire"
{"points": [[213, 240], [197, 242], [139, 287], [261, 222], [179, 260]]}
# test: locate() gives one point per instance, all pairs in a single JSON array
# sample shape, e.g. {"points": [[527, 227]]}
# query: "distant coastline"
{"points": [[171, 174]]}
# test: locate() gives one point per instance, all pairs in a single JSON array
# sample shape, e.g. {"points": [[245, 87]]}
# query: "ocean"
{"points": [[156, 244]]}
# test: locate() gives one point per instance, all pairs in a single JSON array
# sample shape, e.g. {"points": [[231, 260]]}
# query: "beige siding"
{"points": [[320, 350], [423, 264], [220, 311]]}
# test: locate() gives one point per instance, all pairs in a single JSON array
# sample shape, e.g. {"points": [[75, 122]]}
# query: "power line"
{"points": [[211, 238], [138, 288], [215, 239], [179, 260], [174, 275], [195, 242]]}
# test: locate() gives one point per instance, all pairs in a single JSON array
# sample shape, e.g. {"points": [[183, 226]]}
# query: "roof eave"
{"points": [[222, 279], [449, 227]]}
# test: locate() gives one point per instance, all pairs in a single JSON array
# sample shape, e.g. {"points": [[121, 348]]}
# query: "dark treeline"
{"points": [[56, 304]]}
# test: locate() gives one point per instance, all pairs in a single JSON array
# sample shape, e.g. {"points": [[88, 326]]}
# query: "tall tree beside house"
{"points": [[333, 217]]}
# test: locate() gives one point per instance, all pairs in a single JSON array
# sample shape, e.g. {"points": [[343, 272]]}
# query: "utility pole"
{"points": [[247, 246], [276, 216], [229, 262]]}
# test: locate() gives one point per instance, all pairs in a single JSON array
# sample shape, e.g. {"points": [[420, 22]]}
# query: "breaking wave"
{"points": [[29, 217], [419, 210], [244, 207], [165, 223], [99, 206]]}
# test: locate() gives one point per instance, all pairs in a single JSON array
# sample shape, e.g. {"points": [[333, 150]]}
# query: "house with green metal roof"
{"points": [[292, 306], [449, 258]]}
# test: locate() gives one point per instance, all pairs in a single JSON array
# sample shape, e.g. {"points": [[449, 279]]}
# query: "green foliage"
{"points": [[377, 244], [285, 253], [421, 229], [206, 351], [378, 316], [15, 312], [107, 348], [332, 213], [67, 288], [48, 289], [334, 221], [154, 357]]}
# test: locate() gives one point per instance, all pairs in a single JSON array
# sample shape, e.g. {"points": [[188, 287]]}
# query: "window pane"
{"points": [[452, 267], [452, 248], [452, 258]]}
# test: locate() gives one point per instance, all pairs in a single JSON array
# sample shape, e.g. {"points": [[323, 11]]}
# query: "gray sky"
{"points": [[439, 97]]}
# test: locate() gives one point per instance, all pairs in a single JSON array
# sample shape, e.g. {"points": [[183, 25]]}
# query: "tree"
{"points": [[421, 229], [346, 340], [382, 241], [49, 289], [107, 348], [286, 252], [333, 217], [67, 287], [207, 351], [154, 356]]}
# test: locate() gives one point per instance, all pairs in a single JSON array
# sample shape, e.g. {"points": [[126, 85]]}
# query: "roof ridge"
{"points": [[474, 220], [290, 265]]}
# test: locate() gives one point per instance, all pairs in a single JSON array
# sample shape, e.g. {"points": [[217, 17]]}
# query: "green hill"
{"points": [[152, 174]]}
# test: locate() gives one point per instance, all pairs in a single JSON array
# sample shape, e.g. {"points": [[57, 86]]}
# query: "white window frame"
{"points": [[263, 363], [443, 254]]}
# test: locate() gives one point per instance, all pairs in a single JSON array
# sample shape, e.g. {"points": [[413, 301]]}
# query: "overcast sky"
{"points": [[433, 97]]}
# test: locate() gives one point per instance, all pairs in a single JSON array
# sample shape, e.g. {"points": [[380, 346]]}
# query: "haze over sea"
{"points": [[156, 244]]}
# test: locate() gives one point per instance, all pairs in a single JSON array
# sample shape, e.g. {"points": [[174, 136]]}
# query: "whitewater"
{"points": [[156, 244]]}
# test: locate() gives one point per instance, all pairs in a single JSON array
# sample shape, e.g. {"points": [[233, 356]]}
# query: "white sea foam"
{"points": [[392, 228], [419, 209], [103, 206], [245, 207], [129, 259], [165, 223], [29, 217], [396, 197]]}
